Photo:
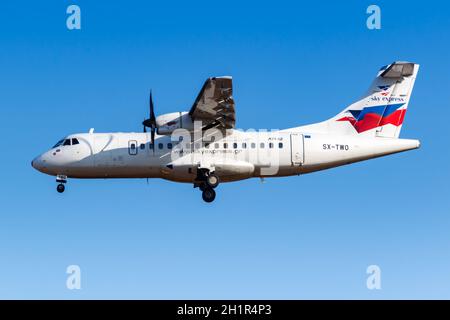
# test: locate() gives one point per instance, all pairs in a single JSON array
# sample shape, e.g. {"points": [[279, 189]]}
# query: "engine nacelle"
{"points": [[169, 122]]}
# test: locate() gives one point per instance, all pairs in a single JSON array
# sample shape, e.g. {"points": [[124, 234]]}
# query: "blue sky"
{"points": [[293, 63]]}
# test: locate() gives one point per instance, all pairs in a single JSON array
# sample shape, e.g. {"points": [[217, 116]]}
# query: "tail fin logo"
{"points": [[384, 90], [375, 116]]}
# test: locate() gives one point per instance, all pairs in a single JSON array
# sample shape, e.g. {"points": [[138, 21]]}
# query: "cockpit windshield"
{"points": [[66, 142], [60, 142]]}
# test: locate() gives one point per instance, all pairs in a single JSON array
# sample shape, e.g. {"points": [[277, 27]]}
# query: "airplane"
{"points": [[202, 146]]}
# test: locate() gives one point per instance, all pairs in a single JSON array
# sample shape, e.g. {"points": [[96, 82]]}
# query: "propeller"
{"points": [[151, 122]]}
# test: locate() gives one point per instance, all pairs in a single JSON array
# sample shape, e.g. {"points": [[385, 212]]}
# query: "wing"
{"points": [[214, 105]]}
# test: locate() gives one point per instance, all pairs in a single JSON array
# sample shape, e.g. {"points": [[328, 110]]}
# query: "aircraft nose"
{"points": [[38, 163]]}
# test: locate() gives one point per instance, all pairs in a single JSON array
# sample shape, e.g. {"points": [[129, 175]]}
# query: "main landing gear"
{"points": [[206, 181], [61, 180], [208, 195]]}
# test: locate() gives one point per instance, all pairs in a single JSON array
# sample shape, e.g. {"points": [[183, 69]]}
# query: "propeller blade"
{"points": [[152, 118], [152, 111], [151, 122], [153, 138]]}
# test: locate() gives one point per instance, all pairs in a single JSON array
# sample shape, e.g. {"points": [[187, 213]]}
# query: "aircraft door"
{"points": [[132, 147], [297, 153]]}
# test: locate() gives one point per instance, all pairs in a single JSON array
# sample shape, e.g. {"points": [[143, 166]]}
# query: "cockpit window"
{"points": [[60, 142], [66, 142]]}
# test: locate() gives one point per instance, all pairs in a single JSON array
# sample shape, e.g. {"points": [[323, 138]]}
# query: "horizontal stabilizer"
{"points": [[398, 70]]}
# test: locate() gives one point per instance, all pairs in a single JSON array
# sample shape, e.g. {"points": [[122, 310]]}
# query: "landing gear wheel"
{"points": [[208, 195], [212, 180], [60, 188]]}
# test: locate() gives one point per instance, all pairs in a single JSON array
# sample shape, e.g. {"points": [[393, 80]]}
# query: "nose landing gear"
{"points": [[60, 188], [61, 180]]}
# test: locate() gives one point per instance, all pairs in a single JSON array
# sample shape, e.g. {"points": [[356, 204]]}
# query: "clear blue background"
{"points": [[293, 63]]}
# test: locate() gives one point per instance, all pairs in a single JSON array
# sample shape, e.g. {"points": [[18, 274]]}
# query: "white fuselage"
{"points": [[239, 155]]}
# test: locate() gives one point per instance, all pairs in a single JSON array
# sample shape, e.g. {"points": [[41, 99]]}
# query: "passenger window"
{"points": [[151, 146], [244, 145], [75, 141], [207, 145], [169, 146], [225, 145], [216, 145], [253, 145], [142, 146], [197, 146], [235, 145], [133, 146], [261, 145], [270, 145], [160, 146], [280, 145]]}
